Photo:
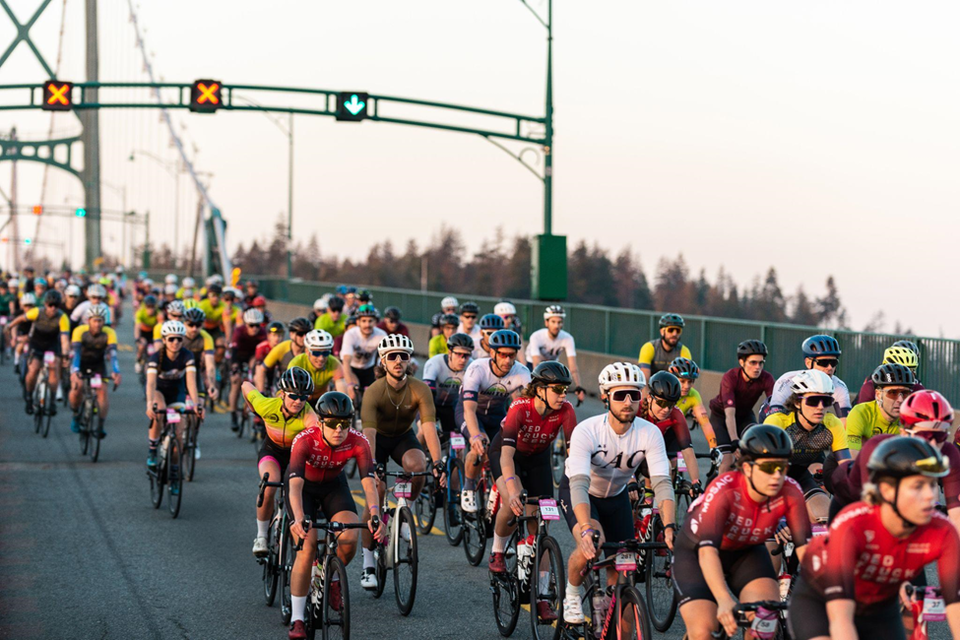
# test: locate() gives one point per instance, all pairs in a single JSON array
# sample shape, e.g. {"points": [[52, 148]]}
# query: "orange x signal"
{"points": [[58, 94], [208, 93]]}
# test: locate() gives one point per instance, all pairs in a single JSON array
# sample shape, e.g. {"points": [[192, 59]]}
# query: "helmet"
{"points": [[351, 289], [926, 410], [28, 300], [318, 340], [901, 457], [749, 348], [671, 320], [215, 289], [684, 368], [551, 372], [765, 441], [812, 381], [176, 307], [820, 345], [52, 297], [335, 304], [195, 316], [296, 380], [469, 307], [554, 311], [491, 322], [190, 303], [300, 325], [665, 385], [215, 279], [250, 283], [505, 309], [334, 404], [320, 304], [341, 289], [392, 313], [395, 342], [901, 355], [259, 301], [351, 321], [504, 339], [450, 319], [231, 292], [73, 291], [621, 374], [367, 311], [118, 269], [461, 340], [40, 282], [364, 296], [893, 375], [172, 328], [449, 302], [98, 310], [13, 283], [189, 283], [170, 279], [105, 281], [253, 316], [909, 344], [276, 327], [150, 301], [168, 289], [96, 291]]}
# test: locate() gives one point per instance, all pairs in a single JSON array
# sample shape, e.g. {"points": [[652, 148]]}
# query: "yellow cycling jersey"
{"points": [[214, 314], [438, 345], [279, 355], [690, 402], [144, 319], [281, 430], [322, 378], [809, 446], [654, 356], [865, 421]]}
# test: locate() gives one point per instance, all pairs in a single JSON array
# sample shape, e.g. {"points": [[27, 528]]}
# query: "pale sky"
{"points": [[819, 137]]}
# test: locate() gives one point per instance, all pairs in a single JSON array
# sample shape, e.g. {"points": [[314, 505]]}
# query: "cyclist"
{"points": [[186, 288], [232, 310], [815, 433], [901, 352], [444, 373], [548, 343], [893, 382], [390, 406], [657, 355], [660, 407], [468, 325], [508, 312], [448, 306], [252, 290], [820, 353], [691, 403], [740, 388], [448, 327], [92, 344], [338, 341], [359, 349], [144, 320], [333, 321], [605, 452], [8, 299], [198, 342], [720, 556], [280, 356], [851, 578], [489, 324], [489, 385], [319, 307], [391, 322], [213, 308], [71, 298], [261, 303], [315, 482], [21, 334], [96, 293], [275, 334], [243, 348], [50, 331], [350, 302], [320, 363], [173, 310], [171, 379]]}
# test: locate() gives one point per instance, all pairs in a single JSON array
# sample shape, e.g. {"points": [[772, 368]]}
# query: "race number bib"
{"points": [[681, 463], [403, 490], [457, 442], [173, 416], [625, 561], [764, 626], [49, 357], [96, 382], [549, 510], [934, 609]]}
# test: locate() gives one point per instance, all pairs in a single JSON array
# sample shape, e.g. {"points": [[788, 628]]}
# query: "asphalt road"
{"points": [[84, 555]]}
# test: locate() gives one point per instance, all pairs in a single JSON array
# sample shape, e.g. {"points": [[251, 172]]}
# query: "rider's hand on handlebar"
{"points": [[440, 473], [585, 544], [478, 444], [296, 528], [725, 615], [380, 532], [513, 499]]}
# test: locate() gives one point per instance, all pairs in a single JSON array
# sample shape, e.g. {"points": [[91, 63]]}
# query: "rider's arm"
{"points": [[151, 387], [75, 362], [730, 416], [428, 423], [191, 375], [658, 464], [712, 570], [470, 417], [645, 359], [210, 371], [700, 415], [578, 468], [856, 428], [295, 496]]}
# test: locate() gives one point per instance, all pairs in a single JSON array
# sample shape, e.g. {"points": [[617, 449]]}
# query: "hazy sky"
{"points": [[818, 137]]}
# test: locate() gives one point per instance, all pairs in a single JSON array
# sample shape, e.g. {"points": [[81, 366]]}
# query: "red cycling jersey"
{"points": [[312, 459], [243, 344], [263, 349], [674, 429], [860, 560], [529, 432], [726, 517]]}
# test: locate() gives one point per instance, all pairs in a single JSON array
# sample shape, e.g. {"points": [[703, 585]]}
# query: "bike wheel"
{"points": [[84, 424], [406, 564], [426, 508], [547, 583], [557, 458], [683, 504], [661, 597], [474, 533], [156, 484], [336, 615], [271, 562], [380, 556], [190, 447], [634, 621], [452, 517], [174, 476], [95, 444], [287, 555], [506, 593], [242, 422]]}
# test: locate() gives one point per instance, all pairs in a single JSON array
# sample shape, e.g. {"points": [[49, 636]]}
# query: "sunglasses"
{"points": [[253, 326], [664, 404], [174, 339], [319, 354], [828, 362], [507, 354], [193, 325], [816, 401], [296, 397], [772, 466], [171, 316], [674, 330], [460, 354], [935, 437], [469, 317], [51, 305], [339, 425], [299, 333], [896, 394], [625, 395], [559, 389], [402, 356]]}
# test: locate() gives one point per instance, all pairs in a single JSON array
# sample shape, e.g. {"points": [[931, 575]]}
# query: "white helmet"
{"points": [[214, 279], [554, 311], [170, 289], [448, 302], [253, 316], [175, 306], [621, 374], [395, 342], [170, 279], [189, 283], [318, 340], [28, 299], [96, 291], [812, 381], [73, 290], [172, 328], [98, 310], [503, 309], [320, 304]]}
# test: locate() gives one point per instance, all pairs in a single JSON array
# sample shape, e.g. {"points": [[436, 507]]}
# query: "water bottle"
{"points": [[162, 454], [524, 557], [492, 501], [784, 581], [601, 602], [316, 580]]}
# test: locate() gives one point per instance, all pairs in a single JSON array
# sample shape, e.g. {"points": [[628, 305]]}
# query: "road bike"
{"points": [[278, 564], [44, 407], [89, 420], [167, 471], [558, 457], [765, 623], [477, 527]]}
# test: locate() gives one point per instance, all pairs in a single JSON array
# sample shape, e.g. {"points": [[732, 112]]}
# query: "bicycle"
{"points": [[43, 402], [767, 624], [452, 514], [558, 457], [190, 449], [246, 416], [278, 564], [90, 433], [167, 471], [4, 320], [525, 576], [929, 607], [477, 527]]}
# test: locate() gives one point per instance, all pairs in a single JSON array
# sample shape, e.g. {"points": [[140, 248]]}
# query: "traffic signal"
{"points": [[205, 96], [57, 96], [27, 241], [81, 212], [37, 209], [353, 106]]}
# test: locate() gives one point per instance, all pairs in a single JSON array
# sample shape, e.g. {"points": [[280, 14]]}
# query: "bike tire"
{"points": [[426, 508], [506, 593], [272, 561], [95, 446], [83, 423], [286, 565], [190, 447], [336, 621], [406, 563], [474, 531], [380, 567], [683, 504], [661, 596], [548, 552], [156, 484], [174, 477], [452, 516], [46, 414], [557, 459], [633, 609]]}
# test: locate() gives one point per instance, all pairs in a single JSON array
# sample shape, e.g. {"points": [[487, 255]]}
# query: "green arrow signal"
{"points": [[355, 105]]}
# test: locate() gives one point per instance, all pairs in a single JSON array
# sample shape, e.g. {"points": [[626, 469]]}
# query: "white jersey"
{"points": [[491, 392], [477, 336], [445, 381], [545, 346], [611, 460], [360, 347], [782, 391], [79, 313]]}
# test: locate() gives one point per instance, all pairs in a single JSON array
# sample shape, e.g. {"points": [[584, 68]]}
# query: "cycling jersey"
{"points": [[813, 445], [401, 328], [658, 359], [89, 350], [46, 331], [437, 345], [198, 345], [322, 378], [5, 302], [674, 429], [280, 429], [280, 355], [690, 402], [727, 518], [171, 372], [214, 314], [868, 391], [325, 323], [545, 346], [491, 392], [739, 393], [79, 313], [362, 348], [477, 335], [867, 420], [442, 380], [312, 459], [610, 459], [861, 560], [146, 320], [531, 433], [392, 412], [243, 345], [782, 391]]}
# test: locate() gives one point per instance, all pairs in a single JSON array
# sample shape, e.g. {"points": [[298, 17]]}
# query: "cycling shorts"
{"points": [[719, 424], [447, 419], [808, 484], [37, 349], [808, 616], [395, 447], [97, 366], [533, 471], [281, 456], [365, 377], [615, 514], [489, 423], [740, 568], [173, 393], [324, 498]]}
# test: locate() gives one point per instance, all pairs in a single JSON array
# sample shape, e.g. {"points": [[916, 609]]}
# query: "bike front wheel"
{"points": [[506, 593], [405, 563], [634, 620], [271, 564], [174, 477], [547, 583], [452, 516], [336, 606], [661, 596], [426, 508]]}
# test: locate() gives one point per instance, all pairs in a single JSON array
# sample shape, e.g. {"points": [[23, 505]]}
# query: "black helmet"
{"points": [[296, 380], [300, 325], [671, 320], [820, 345], [392, 313], [335, 304], [901, 456], [367, 311], [551, 372], [194, 315], [469, 307], [765, 441], [351, 321], [665, 385], [491, 322], [364, 296], [461, 340], [907, 344], [215, 289], [893, 375], [450, 319], [685, 368], [276, 327], [504, 339], [52, 297], [749, 348], [334, 404], [150, 301]]}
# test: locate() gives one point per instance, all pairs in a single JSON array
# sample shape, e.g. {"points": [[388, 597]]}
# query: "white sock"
{"points": [[544, 583], [298, 606], [368, 560], [499, 543], [572, 591], [405, 531], [262, 527]]}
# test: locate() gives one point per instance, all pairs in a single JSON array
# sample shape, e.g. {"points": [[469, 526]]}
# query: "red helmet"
{"points": [[259, 301], [926, 410]]}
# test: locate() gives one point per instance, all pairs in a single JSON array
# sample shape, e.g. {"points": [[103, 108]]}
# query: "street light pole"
{"points": [[290, 202], [548, 138]]}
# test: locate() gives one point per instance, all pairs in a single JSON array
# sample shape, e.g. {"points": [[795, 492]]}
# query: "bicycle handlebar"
{"points": [[264, 483]]}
